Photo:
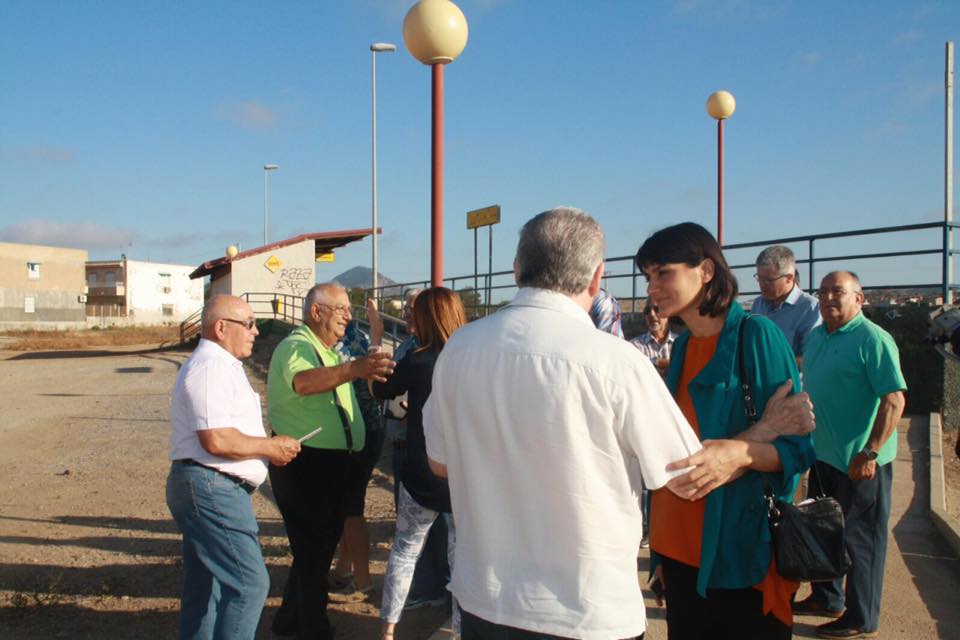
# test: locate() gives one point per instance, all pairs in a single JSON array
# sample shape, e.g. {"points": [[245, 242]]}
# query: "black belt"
{"points": [[248, 486]]}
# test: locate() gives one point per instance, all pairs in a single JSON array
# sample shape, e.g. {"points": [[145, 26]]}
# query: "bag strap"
{"points": [[751, 412], [748, 406], [344, 421]]}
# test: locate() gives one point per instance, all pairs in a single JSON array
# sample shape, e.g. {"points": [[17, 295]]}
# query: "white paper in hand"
{"points": [[309, 435]]}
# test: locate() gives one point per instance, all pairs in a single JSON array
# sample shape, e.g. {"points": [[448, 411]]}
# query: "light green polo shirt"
{"points": [[846, 373], [295, 415]]}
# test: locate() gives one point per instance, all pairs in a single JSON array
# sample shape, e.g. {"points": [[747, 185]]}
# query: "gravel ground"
{"points": [[87, 546]]}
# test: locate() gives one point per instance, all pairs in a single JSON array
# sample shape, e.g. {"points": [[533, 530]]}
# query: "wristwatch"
{"points": [[870, 453]]}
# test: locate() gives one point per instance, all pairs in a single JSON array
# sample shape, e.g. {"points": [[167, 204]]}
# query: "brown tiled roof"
{"points": [[324, 243]]}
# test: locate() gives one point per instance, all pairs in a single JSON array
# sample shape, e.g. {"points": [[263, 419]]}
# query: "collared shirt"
{"points": [[846, 373], [796, 316], [547, 425], [654, 350], [294, 415], [605, 313], [212, 392]]}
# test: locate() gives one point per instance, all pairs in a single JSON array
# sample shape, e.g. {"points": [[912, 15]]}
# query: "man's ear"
{"points": [[595, 281], [516, 272]]}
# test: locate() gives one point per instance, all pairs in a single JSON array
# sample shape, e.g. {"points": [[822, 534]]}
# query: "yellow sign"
{"points": [[483, 217], [326, 257], [273, 263]]}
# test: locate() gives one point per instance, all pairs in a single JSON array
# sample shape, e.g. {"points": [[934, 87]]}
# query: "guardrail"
{"points": [[484, 292], [289, 308], [190, 328]]}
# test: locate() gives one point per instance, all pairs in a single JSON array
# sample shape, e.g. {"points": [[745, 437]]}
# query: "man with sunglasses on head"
{"points": [[310, 397], [781, 298], [219, 451]]}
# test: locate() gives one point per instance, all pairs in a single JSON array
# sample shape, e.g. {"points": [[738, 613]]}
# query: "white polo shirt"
{"points": [[546, 425], [212, 392]]}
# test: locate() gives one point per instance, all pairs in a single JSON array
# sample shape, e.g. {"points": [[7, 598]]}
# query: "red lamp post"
{"points": [[435, 32], [720, 106]]}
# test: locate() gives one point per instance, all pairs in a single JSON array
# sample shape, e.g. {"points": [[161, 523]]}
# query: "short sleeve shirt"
{"points": [[294, 415], [212, 392], [796, 316], [846, 373]]}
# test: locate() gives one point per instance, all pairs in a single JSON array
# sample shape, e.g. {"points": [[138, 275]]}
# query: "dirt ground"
{"points": [[87, 546]]}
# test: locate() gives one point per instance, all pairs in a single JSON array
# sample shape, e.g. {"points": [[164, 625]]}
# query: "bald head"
{"points": [[326, 311], [323, 293], [223, 322], [841, 297]]}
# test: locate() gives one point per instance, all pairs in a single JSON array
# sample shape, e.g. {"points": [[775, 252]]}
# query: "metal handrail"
{"points": [[190, 327], [488, 288]]}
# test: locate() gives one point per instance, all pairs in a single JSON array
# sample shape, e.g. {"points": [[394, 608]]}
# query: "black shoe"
{"points": [[812, 607], [841, 629]]}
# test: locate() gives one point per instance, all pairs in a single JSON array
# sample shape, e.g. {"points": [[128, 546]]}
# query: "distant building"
{"points": [[41, 285], [281, 268], [142, 292]]}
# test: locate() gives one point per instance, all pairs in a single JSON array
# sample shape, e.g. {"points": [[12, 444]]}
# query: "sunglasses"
{"points": [[247, 324]]}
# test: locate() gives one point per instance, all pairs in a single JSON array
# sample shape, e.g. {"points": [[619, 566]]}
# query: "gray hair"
{"points": [[779, 257], [559, 250], [319, 293], [410, 294]]}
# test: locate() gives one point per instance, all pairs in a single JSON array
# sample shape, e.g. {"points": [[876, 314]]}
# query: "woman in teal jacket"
{"points": [[713, 553]]}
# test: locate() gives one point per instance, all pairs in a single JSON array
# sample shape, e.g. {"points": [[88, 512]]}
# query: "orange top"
{"points": [[676, 525]]}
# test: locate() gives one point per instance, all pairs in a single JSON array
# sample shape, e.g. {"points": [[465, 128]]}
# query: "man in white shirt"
{"points": [[219, 451], [545, 426]]}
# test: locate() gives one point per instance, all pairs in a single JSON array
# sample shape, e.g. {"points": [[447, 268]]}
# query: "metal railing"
{"points": [[629, 286], [288, 308]]}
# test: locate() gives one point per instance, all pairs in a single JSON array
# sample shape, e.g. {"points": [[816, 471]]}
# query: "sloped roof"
{"points": [[324, 242]]}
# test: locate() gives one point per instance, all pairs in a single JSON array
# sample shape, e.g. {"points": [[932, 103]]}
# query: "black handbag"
{"points": [[808, 538]]}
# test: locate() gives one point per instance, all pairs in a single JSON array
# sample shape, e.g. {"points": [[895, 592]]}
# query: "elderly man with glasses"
{"points": [[851, 370], [219, 451], [781, 298], [310, 397]]}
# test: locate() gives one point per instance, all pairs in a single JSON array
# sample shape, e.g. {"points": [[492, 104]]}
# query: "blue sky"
{"points": [[142, 127]]}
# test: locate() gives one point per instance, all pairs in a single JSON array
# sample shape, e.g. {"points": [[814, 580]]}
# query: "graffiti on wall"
{"points": [[295, 281]]}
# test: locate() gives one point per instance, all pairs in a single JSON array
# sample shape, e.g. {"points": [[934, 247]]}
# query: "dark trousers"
{"points": [[866, 510], [474, 628], [312, 494], [724, 613]]}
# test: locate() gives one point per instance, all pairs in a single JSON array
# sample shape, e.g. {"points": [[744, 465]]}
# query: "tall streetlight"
{"points": [[435, 32], [267, 168], [720, 106], [375, 48]]}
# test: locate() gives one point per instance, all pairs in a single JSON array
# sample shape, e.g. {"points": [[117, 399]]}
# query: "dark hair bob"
{"points": [[691, 244]]}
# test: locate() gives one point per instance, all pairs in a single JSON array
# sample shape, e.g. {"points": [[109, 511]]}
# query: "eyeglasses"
{"points": [[340, 309], [836, 292], [763, 280], [247, 324]]}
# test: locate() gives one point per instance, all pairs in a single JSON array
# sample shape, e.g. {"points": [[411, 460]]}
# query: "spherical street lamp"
{"points": [[720, 106], [435, 32]]}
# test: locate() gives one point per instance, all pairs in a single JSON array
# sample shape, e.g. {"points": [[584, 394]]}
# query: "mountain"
{"points": [[359, 276]]}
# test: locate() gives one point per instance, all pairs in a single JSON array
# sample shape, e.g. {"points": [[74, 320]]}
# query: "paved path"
{"points": [[921, 597]]}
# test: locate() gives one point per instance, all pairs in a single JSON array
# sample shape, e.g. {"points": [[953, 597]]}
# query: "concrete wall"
{"points": [[295, 274], [55, 294], [159, 292]]}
